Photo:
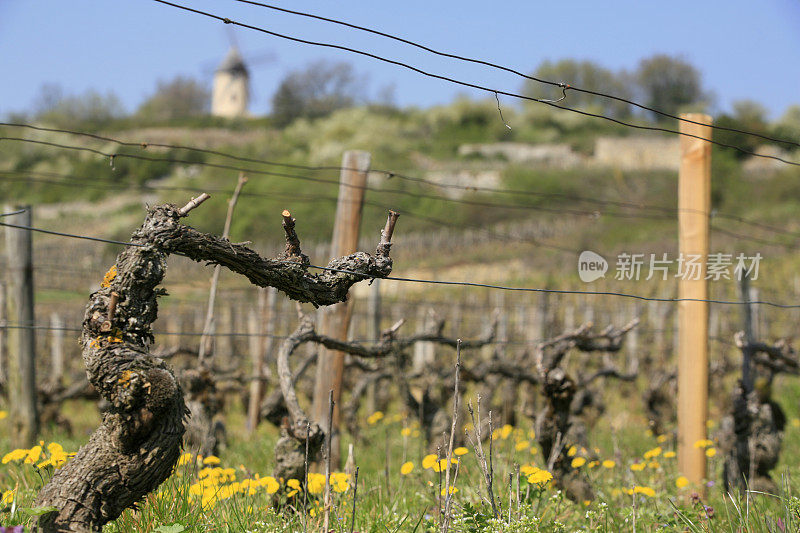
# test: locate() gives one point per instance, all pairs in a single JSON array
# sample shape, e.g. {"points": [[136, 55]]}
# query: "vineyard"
{"points": [[576, 314]]}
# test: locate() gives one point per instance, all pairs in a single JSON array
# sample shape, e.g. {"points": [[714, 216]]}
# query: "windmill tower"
{"points": [[231, 87]]}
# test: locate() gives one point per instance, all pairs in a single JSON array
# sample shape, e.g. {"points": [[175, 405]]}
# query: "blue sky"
{"points": [[745, 49]]}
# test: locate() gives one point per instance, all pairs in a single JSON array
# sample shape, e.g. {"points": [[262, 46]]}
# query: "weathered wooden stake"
{"points": [[694, 204], [336, 319], [21, 340], [261, 349]]}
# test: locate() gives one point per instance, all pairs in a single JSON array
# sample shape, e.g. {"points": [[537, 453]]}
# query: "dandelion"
{"points": [[703, 443], [316, 482], [340, 482], [669, 455], [3, 414], [406, 468], [374, 418], [661, 439], [184, 459], [7, 497], [406, 432], [655, 452], [539, 477], [16, 455], [711, 452], [637, 467], [429, 460], [460, 451], [572, 451], [681, 482], [593, 464], [33, 455], [505, 431], [647, 491], [211, 460], [578, 462], [452, 490], [608, 463], [653, 464]]}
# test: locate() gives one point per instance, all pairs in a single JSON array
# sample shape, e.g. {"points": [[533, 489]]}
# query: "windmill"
{"points": [[231, 90]]}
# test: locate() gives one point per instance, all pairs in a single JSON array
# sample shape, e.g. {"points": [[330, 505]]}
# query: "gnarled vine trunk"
{"points": [[139, 441]]}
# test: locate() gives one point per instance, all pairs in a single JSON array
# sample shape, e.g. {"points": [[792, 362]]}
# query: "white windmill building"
{"points": [[231, 90]]}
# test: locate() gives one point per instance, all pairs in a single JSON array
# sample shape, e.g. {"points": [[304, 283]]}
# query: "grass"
{"points": [[212, 494]]}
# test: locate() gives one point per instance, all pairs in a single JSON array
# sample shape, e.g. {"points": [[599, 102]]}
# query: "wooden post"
{"points": [[56, 350], [21, 340], [336, 319], [694, 204], [260, 350]]}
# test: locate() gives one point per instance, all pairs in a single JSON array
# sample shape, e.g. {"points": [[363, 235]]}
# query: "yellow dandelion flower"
{"points": [[452, 490], [586, 503], [505, 431], [681, 482], [33, 455], [655, 452], [406, 432], [406, 468], [647, 491], [293, 483], [522, 445], [17, 455], [429, 460], [292, 493], [211, 460], [7, 497], [578, 462], [540, 477], [572, 451], [528, 469], [711, 452], [185, 459], [653, 464], [608, 463], [316, 482], [669, 455], [374, 417], [593, 464], [703, 443], [460, 451], [637, 467], [661, 439], [3, 414]]}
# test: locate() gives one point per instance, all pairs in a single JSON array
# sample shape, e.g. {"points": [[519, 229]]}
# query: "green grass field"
{"points": [[635, 478]]}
